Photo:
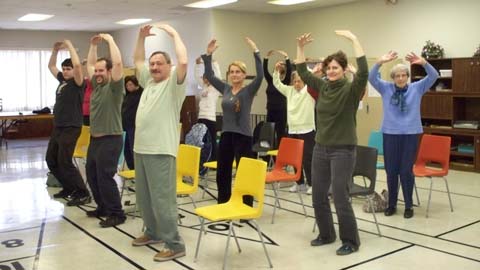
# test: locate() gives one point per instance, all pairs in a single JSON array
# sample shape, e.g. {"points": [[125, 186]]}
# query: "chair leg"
{"points": [[314, 225], [448, 192], [225, 256], [301, 200], [236, 239], [275, 203], [429, 195], [370, 203], [199, 238], [416, 193], [205, 183], [259, 231]]}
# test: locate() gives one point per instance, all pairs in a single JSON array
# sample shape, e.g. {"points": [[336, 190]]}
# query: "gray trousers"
{"points": [[334, 165], [156, 191]]}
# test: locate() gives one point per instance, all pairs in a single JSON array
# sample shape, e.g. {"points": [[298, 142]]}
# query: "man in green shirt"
{"points": [[105, 130], [155, 156]]}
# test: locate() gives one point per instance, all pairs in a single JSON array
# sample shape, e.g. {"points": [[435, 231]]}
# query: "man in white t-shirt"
{"points": [[156, 142]]}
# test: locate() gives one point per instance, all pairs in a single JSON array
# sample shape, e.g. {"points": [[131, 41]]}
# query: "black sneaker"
{"points": [[112, 221], [79, 201], [390, 211], [320, 242], [346, 249], [96, 214], [62, 194], [408, 213]]}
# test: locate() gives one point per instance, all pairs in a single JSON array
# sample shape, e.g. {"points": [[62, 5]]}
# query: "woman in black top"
{"points": [[129, 112]]}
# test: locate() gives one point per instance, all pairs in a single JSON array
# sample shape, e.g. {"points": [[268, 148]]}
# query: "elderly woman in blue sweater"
{"points": [[401, 124]]}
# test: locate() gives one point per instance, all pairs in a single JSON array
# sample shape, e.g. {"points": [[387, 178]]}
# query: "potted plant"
{"points": [[477, 52], [432, 50]]}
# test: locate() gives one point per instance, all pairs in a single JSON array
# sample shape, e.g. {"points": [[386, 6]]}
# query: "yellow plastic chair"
{"points": [[188, 165], [127, 176], [250, 180], [81, 147]]}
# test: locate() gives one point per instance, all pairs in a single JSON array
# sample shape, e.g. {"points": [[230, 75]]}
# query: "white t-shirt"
{"points": [[158, 114]]}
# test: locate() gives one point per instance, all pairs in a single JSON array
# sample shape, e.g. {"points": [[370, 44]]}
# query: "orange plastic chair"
{"points": [[290, 153], [249, 181], [433, 149]]}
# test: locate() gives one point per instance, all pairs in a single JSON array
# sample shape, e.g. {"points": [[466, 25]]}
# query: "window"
{"points": [[26, 81]]}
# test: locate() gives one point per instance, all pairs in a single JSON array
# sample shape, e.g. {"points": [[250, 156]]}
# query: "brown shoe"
{"points": [[144, 240], [167, 254]]}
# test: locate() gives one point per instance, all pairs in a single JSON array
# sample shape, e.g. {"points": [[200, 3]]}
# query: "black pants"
{"points": [[212, 129], [308, 144], [59, 159], [128, 147], [102, 161], [232, 145], [279, 117]]}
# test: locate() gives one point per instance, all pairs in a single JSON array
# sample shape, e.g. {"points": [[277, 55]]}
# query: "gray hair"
{"points": [[399, 68]]}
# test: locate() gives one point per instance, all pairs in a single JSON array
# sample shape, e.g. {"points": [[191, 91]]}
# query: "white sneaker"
{"points": [[300, 188], [309, 191], [293, 188]]}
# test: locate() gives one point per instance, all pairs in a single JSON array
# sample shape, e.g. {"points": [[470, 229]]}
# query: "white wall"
{"points": [[27, 39]]}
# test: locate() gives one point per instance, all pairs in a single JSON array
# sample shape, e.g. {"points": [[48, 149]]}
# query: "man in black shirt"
{"points": [[68, 120]]}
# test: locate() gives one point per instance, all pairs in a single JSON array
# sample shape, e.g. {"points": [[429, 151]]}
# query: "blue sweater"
{"points": [[394, 120]]}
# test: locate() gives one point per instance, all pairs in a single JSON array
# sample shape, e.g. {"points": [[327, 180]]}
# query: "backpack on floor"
{"points": [[380, 202], [52, 181], [200, 137]]}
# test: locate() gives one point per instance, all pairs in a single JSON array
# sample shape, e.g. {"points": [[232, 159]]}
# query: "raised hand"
{"points": [[391, 55], [251, 43], [283, 53], [67, 43], [278, 66], [168, 29], [415, 59], [58, 45], [347, 34], [304, 39], [106, 37], [351, 68], [270, 53], [95, 40], [145, 31], [318, 68], [212, 46]]}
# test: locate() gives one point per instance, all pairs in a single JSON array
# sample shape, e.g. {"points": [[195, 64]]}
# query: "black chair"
{"points": [[266, 138], [366, 167]]}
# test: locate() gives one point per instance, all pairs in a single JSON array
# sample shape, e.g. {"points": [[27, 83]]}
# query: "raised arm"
{"points": [[282, 88], [92, 55], [180, 51], [255, 84], [52, 63], [198, 71], [306, 76], [266, 73], [207, 61], [139, 53], [432, 74], [373, 77], [77, 65], [117, 64], [357, 48], [288, 71]]}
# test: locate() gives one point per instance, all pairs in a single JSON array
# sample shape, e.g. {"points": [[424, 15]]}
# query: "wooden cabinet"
{"points": [[451, 99]]}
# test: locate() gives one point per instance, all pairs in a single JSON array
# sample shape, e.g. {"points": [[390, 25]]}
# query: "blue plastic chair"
{"points": [[376, 141]]}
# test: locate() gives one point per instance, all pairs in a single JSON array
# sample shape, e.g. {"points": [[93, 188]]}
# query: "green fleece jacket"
{"points": [[336, 108]]}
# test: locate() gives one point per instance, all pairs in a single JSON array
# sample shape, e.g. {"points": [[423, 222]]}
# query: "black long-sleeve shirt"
{"points": [[275, 100]]}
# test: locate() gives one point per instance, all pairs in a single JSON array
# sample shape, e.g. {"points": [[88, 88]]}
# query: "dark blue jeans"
{"points": [[399, 153], [128, 148], [102, 162], [334, 165]]}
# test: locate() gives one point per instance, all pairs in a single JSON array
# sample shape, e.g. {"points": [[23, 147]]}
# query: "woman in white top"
{"points": [[207, 105], [300, 120]]}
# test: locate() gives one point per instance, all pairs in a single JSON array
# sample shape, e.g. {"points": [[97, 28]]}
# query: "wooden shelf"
{"points": [[462, 154]]}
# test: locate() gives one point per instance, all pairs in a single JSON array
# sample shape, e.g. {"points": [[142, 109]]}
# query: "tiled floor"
{"points": [[37, 232]]}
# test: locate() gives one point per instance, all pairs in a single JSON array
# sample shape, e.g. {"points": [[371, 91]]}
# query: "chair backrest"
{"points": [[250, 180], [188, 162], [436, 149], [366, 166], [290, 153], [376, 140], [83, 141], [267, 134]]}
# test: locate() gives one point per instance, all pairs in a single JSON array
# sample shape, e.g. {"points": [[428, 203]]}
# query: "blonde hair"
{"points": [[241, 65]]}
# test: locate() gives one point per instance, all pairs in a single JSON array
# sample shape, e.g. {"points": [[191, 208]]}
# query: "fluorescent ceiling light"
{"points": [[134, 21], [288, 2], [210, 3], [32, 17]]}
